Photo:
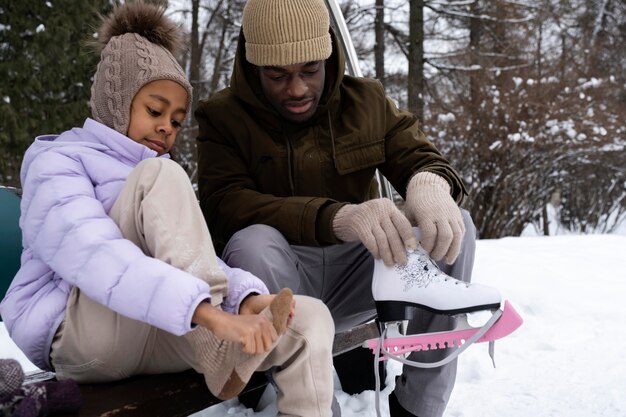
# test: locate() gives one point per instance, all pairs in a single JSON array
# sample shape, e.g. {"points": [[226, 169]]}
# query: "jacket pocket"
{"points": [[360, 155]]}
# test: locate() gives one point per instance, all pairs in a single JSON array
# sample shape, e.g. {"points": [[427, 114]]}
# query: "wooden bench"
{"points": [[167, 395]]}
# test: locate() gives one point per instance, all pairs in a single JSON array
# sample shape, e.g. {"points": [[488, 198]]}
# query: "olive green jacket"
{"points": [[254, 167]]}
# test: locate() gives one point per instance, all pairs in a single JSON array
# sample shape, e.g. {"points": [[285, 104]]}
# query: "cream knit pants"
{"points": [[95, 344]]}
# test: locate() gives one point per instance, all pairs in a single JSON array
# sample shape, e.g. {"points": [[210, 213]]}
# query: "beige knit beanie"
{"points": [[286, 32], [137, 43]]}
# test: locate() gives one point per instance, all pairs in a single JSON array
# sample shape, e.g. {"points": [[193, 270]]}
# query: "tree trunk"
{"points": [[538, 55], [416, 58], [474, 42], [379, 48], [500, 48], [196, 53], [217, 64], [546, 221]]}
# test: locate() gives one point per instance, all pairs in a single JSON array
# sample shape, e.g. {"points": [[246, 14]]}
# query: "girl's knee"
{"points": [[313, 320], [151, 170]]}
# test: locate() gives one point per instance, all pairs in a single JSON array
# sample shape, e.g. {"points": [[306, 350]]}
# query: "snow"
{"points": [[567, 359], [517, 136], [495, 145], [446, 118]]}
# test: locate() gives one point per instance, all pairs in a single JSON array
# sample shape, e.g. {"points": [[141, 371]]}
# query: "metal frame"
{"points": [[339, 23], [353, 68]]}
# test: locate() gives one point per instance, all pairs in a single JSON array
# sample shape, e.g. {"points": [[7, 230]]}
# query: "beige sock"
{"points": [[226, 367]]}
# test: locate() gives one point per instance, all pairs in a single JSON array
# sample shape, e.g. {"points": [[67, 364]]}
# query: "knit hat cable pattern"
{"points": [[286, 32], [129, 61]]}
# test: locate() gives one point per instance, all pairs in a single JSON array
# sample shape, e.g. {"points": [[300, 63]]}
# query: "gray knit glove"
{"points": [[430, 206], [382, 228]]}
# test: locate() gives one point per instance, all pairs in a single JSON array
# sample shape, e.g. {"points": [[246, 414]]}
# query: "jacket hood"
{"points": [[245, 85]]}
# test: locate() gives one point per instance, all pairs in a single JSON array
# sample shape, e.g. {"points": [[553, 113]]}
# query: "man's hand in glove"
{"points": [[431, 207], [382, 228]]}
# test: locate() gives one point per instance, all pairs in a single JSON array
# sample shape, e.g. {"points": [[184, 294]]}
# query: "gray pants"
{"points": [[341, 276]]}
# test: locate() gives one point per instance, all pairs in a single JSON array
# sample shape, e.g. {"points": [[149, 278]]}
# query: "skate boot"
{"points": [[399, 289]]}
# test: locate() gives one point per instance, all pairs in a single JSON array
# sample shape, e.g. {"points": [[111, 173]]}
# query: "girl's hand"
{"points": [[255, 303], [255, 332]]}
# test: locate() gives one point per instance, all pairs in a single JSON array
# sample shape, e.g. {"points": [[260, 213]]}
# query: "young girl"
{"points": [[118, 274]]}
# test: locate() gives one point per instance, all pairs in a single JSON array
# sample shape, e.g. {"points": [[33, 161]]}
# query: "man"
{"points": [[287, 156]]}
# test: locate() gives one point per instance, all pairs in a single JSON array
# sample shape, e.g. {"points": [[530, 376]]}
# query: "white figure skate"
{"points": [[400, 290]]}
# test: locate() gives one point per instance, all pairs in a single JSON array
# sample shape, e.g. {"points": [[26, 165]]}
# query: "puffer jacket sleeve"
{"points": [[240, 285], [68, 229]]}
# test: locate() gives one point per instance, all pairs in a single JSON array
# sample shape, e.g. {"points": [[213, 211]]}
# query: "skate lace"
{"points": [[420, 270]]}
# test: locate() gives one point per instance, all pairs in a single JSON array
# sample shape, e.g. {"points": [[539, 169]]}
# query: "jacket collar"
{"points": [[120, 144]]}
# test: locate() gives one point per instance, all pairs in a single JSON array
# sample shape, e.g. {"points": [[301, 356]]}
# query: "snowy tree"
{"points": [[213, 27], [45, 72], [526, 98]]}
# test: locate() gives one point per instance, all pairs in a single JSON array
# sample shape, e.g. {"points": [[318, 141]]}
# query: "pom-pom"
{"points": [[146, 20]]}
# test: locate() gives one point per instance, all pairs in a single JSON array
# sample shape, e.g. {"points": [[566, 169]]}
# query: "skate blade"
{"points": [[398, 344]]}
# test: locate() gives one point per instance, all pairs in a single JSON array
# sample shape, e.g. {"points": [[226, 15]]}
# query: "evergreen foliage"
{"points": [[45, 72]]}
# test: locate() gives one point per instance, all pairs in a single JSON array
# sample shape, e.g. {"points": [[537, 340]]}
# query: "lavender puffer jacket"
{"points": [[70, 183]]}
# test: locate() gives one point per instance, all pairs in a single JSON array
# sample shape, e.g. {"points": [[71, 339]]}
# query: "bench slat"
{"points": [[166, 395]]}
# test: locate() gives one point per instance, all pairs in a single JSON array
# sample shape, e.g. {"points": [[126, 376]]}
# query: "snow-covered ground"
{"points": [[567, 359]]}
